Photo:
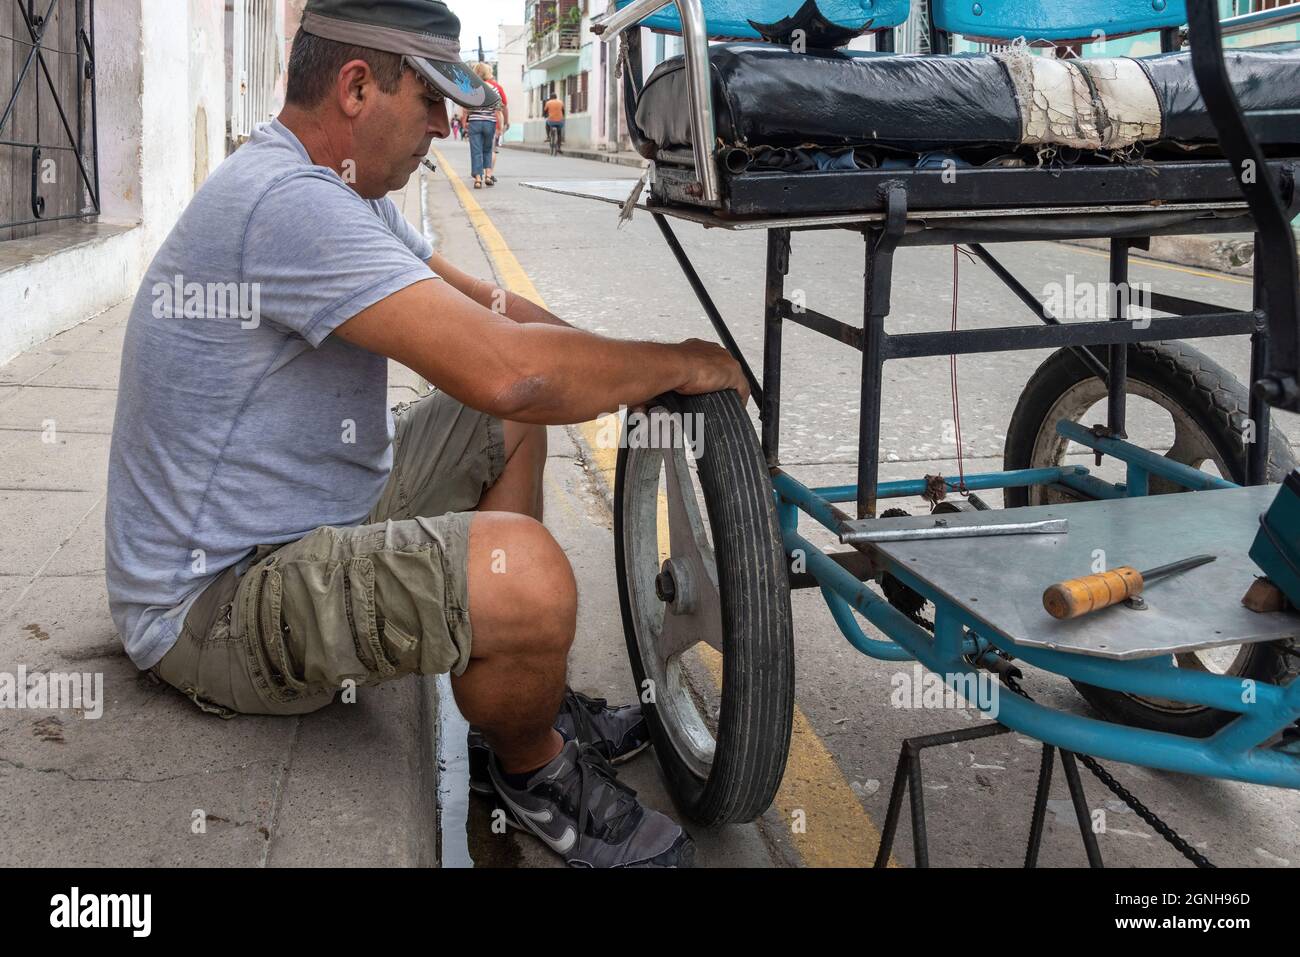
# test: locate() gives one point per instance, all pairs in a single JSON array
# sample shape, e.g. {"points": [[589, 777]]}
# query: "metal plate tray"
{"points": [[999, 581]]}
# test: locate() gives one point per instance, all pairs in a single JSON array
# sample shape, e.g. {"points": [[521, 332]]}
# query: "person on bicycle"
{"points": [[554, 111]]}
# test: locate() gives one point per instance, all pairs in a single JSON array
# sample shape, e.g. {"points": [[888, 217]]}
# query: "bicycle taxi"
{"points": [[778, 127]]}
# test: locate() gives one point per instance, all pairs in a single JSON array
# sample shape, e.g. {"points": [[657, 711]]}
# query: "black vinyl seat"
{"points": [[766, 96]]}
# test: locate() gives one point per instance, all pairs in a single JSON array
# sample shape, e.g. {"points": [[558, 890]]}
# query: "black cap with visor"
{"points": [[425, 32]]}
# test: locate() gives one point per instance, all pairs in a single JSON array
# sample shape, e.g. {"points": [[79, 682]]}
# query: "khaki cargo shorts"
{"points": [[365, 604]]}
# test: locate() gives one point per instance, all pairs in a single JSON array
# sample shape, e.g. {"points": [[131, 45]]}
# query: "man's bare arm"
{"points": [[539, 373], [491, 296]]}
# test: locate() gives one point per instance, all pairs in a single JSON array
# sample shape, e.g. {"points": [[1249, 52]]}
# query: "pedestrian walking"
{"points": [[484, 72], [481, 122]]}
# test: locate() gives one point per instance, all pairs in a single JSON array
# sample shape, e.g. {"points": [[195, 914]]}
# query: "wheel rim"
{"points": [[1191, 446], [672, 589]]}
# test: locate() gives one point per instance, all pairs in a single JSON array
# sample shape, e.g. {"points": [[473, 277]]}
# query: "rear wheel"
{"points": [[1181, 400], [705, 599]]}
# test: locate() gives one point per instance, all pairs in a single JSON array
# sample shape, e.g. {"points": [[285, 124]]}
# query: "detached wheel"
{"points": [[705, 596], [1185, 402]]}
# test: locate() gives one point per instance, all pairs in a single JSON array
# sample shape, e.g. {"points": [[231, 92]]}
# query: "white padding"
{"points": [[1131, 109], [1058, 105]]}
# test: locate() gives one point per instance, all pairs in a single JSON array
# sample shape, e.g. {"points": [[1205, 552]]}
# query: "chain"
{"points": [[1101, 774]]}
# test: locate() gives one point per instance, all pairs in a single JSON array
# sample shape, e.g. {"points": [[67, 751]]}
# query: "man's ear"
{"points": [[354, 82]]}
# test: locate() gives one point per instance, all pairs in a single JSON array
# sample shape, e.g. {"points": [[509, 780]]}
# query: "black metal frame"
{"points": [[1277, 293], [1271, 195], [908, 781], [36, 24], [760, 194], [890, 210], [1189, 319]]}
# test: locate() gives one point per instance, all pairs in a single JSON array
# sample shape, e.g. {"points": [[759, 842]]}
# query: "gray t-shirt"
{"points": [[240, 420]]}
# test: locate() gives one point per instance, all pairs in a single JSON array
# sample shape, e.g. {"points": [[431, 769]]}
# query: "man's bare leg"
{"points": [[519, 488], [523, 613]]}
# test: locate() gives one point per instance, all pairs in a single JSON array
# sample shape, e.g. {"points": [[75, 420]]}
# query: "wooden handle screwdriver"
{"points": [[1080, 596]]}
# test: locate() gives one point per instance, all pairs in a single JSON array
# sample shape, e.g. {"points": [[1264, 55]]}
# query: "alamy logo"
{"points": [[924, 690], [657, 429], [1085, 300], [179, 299], [53, 691], [133, 911]]}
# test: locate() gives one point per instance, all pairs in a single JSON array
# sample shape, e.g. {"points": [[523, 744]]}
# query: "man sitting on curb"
{"points": [[274, 533]]}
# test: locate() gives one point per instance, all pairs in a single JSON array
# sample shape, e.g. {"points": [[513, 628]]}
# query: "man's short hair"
{"points": [[315, 62]]}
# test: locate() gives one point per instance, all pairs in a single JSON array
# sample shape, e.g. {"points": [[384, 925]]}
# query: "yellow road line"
{"points": [[1138, 260], [836, 831], [510, 274]]}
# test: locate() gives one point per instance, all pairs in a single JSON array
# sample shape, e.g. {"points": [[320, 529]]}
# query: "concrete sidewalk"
{"points": [[154, 781]]}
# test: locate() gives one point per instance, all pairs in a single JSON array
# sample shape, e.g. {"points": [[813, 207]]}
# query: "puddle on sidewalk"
{"points": [[465, 837]]}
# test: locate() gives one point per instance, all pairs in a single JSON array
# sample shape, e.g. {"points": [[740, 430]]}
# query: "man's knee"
{"points": [[521, 586]]}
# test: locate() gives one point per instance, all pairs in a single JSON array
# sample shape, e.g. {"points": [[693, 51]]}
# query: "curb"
{"points": [[600, 156]]}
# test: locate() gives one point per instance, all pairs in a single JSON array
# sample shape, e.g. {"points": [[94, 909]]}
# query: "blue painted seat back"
{"points": [[730, 18], [1055, 19]]}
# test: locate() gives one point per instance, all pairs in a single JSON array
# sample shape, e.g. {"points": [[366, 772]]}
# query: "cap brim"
{"points": [[456, 82]]}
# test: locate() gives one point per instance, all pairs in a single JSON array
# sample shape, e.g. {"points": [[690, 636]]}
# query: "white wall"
{"points": [[512, 51], [158, 62], [207, 88]]}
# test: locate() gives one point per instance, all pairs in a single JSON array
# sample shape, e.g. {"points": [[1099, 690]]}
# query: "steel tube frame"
{"points": [[695, 42]]}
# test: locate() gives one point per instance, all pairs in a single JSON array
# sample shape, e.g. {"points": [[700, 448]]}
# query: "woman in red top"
{"points": [[484, 72]]}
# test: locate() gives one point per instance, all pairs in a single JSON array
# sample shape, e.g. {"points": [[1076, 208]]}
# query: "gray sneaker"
{"points": [[618, 733], [581, 810]]}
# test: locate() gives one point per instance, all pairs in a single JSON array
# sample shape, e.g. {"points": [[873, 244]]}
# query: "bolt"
{"points": [[665, 587]]}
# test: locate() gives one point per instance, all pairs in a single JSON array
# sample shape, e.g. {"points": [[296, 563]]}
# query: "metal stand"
{"points": [[907, 779]]}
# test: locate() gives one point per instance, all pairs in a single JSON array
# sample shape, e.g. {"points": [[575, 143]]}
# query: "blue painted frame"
{"points": [[1235, 752], [1054, 20], [729, 19]]}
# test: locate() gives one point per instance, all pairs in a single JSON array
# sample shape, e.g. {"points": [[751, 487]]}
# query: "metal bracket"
{"points": [[699, 89], [38, 201], [89, 68], [912, 529]]}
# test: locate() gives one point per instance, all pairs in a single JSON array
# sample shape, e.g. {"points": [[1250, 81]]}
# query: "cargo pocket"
{"points": [[363, 617], [271, 634], [402, 649], [256, 619]]}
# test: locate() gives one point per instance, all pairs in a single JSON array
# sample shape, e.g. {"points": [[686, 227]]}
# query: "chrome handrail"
{"points": [[695, 40]]}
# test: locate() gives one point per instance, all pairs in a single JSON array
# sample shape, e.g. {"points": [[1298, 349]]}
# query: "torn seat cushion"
{"points": [[765, 95]]}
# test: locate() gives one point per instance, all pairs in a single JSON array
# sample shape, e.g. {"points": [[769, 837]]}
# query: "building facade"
{"points": [[512, 52], [154, 93]]}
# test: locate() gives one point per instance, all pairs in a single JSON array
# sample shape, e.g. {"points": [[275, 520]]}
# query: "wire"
{"points": [[952, 372]]}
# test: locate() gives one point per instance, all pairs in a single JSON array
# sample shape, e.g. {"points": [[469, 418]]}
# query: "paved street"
{"points": [[625, 283]]}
